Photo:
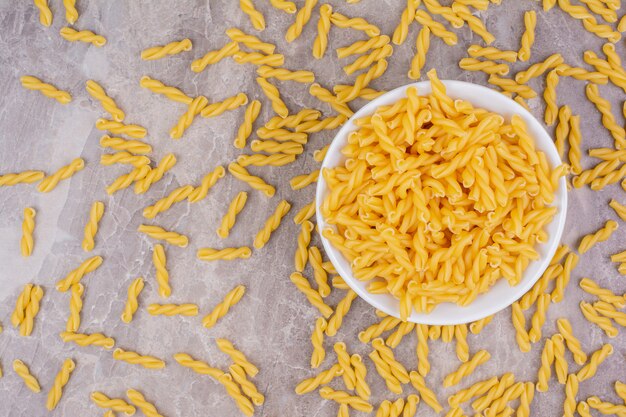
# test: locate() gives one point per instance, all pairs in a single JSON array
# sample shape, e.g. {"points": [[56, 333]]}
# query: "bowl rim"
{"points": [[432, 318]]}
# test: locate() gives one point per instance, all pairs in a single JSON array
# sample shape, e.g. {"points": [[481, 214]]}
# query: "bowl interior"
{"points": [[501, 295]]}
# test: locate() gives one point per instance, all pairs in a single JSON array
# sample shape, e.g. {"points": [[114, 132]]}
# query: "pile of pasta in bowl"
{"points": [[437, 200]]}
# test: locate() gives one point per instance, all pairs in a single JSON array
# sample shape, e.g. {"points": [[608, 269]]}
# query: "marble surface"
{"points": [[273, 322]]}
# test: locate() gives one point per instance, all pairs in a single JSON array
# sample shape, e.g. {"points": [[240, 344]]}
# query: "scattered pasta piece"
{"points": [[27, 242], [134, 289], [302, 18], [232, 388], [601, 235], [329, 123], [539, 318], [428, 396], [250, 41], [220, 310], [242, 174], [152, 176], [475, 24], [589, 22], [312, 296], [272, 93], [176, 196], [422, 44], [606, 407], [466, 368], [96, 91], [549, 96], [124, 181], [197, 366], [592, 316], [364, 61], [91, 228], [23, 372], [251, 114], [115, 404], [119, 128], [173, 309], [257, 58], [172, 48], [563, 279], [271, 224], [488, 67], [197, 105], [25, 177], [62, 378], [239, 376], [565, 329], [436, 28], [343, 397], [120, 144], [208, 181], [71, 14], [77, 274], [284, 5], [147, 408], [231, 103], [595, 360], [334, 323], [301, 181], [157, 232], [86, 36], [361, 47], [162, 275], [124, 157], [76, 305], [362, 81], [237, 357], [608, 120], [491, 53], [48, 90], [226, 254], [462, 348], [83, 339], [323, 28], [45, 14], [322, 378], [228, 221], [538, 69], [256, 17], [401, 31], [148, 362], [475, 390], [356, 23], [158, 87], [528, 37]]}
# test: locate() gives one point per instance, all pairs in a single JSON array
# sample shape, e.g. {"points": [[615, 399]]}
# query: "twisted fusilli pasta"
{"points": [[91, 228], [601, 235], [488, 67], [312, 295], [45, 14], [119, 128], [595, 360], [158, 87], [86, 36], [186, 119], [154, 175], [131, 146], [304, 238], [322, 378], [162, 275], [25, 177], [31, 83], [250, 41], [256, 17], [177, 195], [115, 404], [96, 91], [76, 305], [146, 407], [157, 232], [608, 120], [239, 376], [187, 309], [429, 397], [565, 330], [401, 31], [233, 390], [549, 96], [539, 318], [28, 227], [23, 372], [71, 14], [334, 323], [251, 114], [134, 358], [547, 359], [302, 18], [323, 28], [257, 58], [237, 356], [422, 44], [226, 254], [528, 37], [197, 366], [50, 182], [343, 397], [56, 392], [208, 181], [539, 68], [231, 103], [466, 368], [360, 373], [220, 310], [592, 316], [271, 224], [83, 339], [134, 289], [77, 274], [172, 48]]}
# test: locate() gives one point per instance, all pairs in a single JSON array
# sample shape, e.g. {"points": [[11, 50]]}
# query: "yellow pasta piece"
{"points": [[124, 157], [475, 24], [549, 95], [146, 407], [506, 381], [250, 41], [547, 359], [82, 339], [492, 53], [422, 44], [528, 37], [488, 67], [115, 404], [233, 390], [284, 5], [50, 182], [271, 224], [538, 69], [588, 176], [304, 213], [601, 235], [119, 128], [26, 177], [256, 17], [28, 227], [242, 174], [96, 91], [302, 18], [148, 362], [322, 378], [134, 289], [195, 108], [45, 14], [364, 61], [231, 103], [462, 348], [386, 354], [273, 147], [595, 360], [257, 58], [609, 310], [312, 296], [23, 372], [76, 305], [172, 48], [61, 379], [91, 228], [526, 398], [154, 175], [326, 96], [563, 279], [428, 396], [208, 181], [227, 254], [329, 123], [228, 221], [291, 121], [616, 76], [320, 154], [282, 135], [251, 114], [177, 195], [239, 376], [562, 129], [582, 74], [592, 316], [237, 357], [87, 36], [157, 232], [272, 93], [401, 31], [437, 29], [375, 330], [356, 23], [361, 47], [131, 146], [77, 274], [321, 276], [334, 323], [301, 181], [477, 326], [173, 309], [589, 21], [222, 308], [162, 275], [362, 81], [317, 340], [466, 368], [539, 318], [343, 397], [71, 14], [285, 74], [608, 120], [17, 317], [323, 28], [606, 407], [434, 7], [519, 323], [610, 178], [126, 180], [158, 87], [423, 365], [197, 366], [48, 90], [565, 329], [475, 390], [304, 238]]}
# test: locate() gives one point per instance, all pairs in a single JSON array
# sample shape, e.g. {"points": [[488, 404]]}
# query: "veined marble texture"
{"points": [[273, 322]]}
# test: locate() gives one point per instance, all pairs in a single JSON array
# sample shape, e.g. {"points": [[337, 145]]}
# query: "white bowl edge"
{"points": [[499, 296]]}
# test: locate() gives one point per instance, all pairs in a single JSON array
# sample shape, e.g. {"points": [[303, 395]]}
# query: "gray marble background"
{"points": [[273, 322]]}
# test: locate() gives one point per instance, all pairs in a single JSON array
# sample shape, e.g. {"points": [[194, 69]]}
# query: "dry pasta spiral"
{"points": [[158, 87], [208, 181], [76, 305], [251, 114], [194, 109], [408, 15], [321, 277], [50, 182], [302, 18], [48, 90], [256, 17], [231, 103], [134, 289], [604, 294], [115, 404], [466, 368], [364, 61], [422, 44], [592, 316], [284, 5], [227, 254], [91, 228], [323, 28], [148, 362], [475, 24], [155, 175], [273, 147], [87, 36], [437, 29], [312, 295], [492, 53], [334, 323], [272, 93], [271, 224], [595, 360], [77, 274], [119, 128], [257, 58], [519, 323], [304, 238], [237, 356], [56, 392], [197, 366], [239, 376], [317, 340], [71, 14], [549, 95], [28, 227], [343, 358], [547, 359], [475, 390], [539, 318], [250, 41], [23, 372], [83, 339], [601, 235], [146, 407], [45, 14], [157, 232], [322, 378], [162, 275], [361, 47], [328, 123], [360, 372], [528, 38], [343, 397], [132, 146], [608, 120], [177, 195], [124, 181], [539, 68], [232, 298], [172, 48], [124, 157], [462, 348], [255, 182], [606, 407], [173, 309], [25, 177], [565, 330], [356, 23], [96, 91], [429, 397], [397, 369], [488, 67], [286, 75], [233, 390]]}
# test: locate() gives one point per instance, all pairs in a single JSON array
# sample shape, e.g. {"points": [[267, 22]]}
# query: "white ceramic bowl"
{"points": [[501, 295]]}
